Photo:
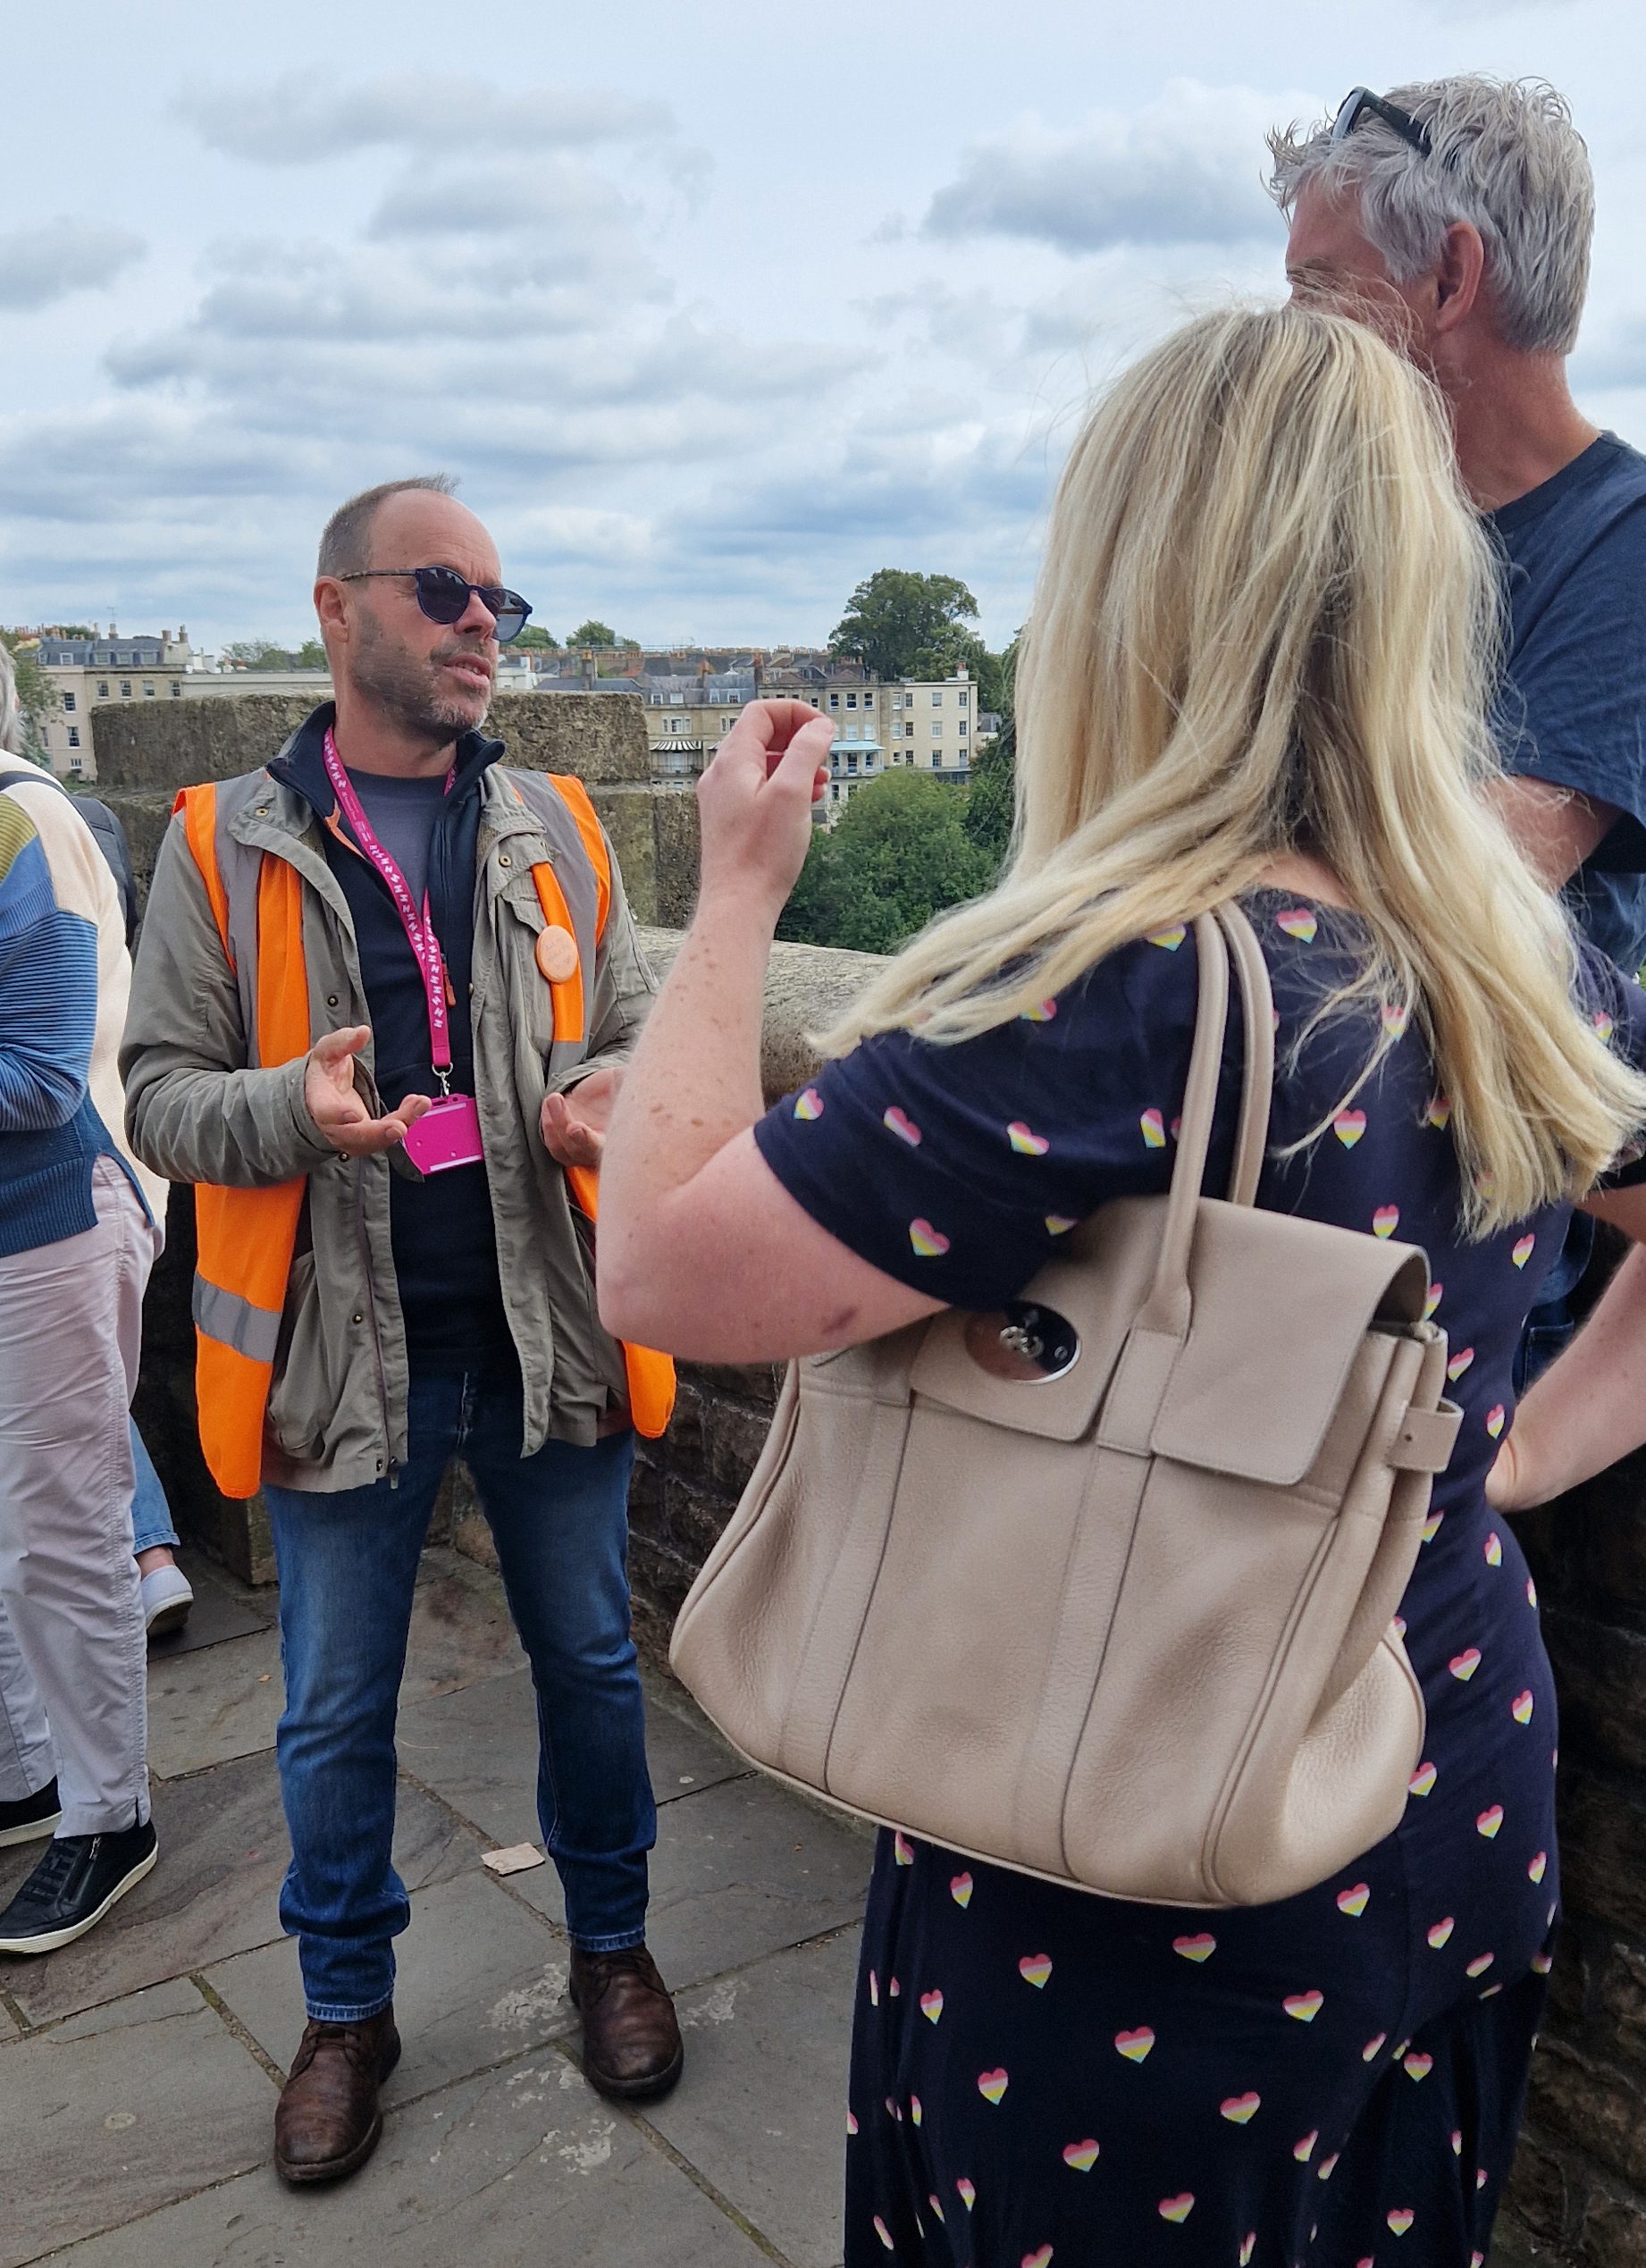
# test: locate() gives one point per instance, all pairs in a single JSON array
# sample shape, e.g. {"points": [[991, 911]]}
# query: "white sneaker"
{"points": [[166, 1600]]}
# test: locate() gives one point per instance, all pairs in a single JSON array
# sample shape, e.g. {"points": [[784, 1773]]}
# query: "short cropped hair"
{"points": [[1506, 156], [346, 542]]}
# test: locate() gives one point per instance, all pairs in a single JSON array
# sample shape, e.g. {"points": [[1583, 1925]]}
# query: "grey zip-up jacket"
{"points": [[200, 1109]]}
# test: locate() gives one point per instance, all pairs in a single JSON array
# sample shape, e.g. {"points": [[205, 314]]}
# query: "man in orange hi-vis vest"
{"points": [[383, 995]]}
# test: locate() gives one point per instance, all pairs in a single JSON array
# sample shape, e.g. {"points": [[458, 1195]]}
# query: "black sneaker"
{"points": [[34, 1817], [73, 1887]]}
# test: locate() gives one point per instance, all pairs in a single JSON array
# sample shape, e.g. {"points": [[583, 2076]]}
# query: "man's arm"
{"points": [[579, 1106], [194, 1112], [1557, 827]]}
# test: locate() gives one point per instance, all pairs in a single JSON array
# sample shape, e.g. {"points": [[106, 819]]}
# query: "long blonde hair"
{"points": [[1268, 621]]}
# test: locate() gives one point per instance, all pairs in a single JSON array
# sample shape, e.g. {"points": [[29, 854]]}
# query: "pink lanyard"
{"points": [[419, 934]]}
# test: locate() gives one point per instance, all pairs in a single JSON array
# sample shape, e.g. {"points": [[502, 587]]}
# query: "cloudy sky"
{"points": [[711, 310]]}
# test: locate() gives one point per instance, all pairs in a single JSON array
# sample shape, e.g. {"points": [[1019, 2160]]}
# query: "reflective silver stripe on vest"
{"points": [[233, 1321]]}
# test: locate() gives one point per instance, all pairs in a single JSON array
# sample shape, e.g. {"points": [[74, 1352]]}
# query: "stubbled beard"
{"points": [[409, 687]]}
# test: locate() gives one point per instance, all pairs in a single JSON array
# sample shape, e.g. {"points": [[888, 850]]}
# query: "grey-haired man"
{"points": [[1458, 216]]}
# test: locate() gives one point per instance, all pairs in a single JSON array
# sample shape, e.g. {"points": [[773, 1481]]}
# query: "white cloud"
{"points": [[307, 117], [40, 265], [1184, 169]]}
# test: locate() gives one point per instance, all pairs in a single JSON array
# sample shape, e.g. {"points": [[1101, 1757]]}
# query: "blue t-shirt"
{"points": [[1573, 709]]}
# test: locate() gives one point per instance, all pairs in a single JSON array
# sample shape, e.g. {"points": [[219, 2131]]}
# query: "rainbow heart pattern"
{"points": [[1602, 1023], [937, 2209], [1081, 2155], [1537, 1867], [1353, 1901], [1459, 1362], [1481, 1963], [1154, 1130], [1440, 1111], [1135, 2046], [1530, 1593], [1178, 2208], [1522, 1707], [1305, 2006], [1374, 2048], [900, 1123], [1025, 1141], [903, 1850], [1396, 1016], [968, 2196], [1240, 2110], [1386, 1220], [1299, 922], [1170, 938], [930, 1243], [1417, 2066], [1058, 1224], [1247, 2248], [1348, 1126], [1463, 1665], [1400, 2219], [1199, 1948], [1439, 1933], [1042, 1013], [931, 2007], [1494, 1420], [809, 1104], [1422, 1779], [883, 2232], [850, 2122], [1431, 1527], [1033, 1969], [1437, 1292], [1523, 1249], [1542, 1963], [1492, 1549], [993, 2084], [874, 1990], [960, 1890], [1327, 2167], [1304, 2151], [1489, 1821], [893, 1989], [915, 2112], [1039, 2258]]}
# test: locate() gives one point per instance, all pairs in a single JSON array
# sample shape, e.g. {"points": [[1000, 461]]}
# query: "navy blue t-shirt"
{"points": [[1573, 709]]}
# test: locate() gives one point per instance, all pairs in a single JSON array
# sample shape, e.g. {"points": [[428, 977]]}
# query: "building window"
{"points": [[834, 700], [851, 701], [125, 688], [68, 703], [177, 688], [937, 728], [963, 728], [102, 689], [936, 701], [149, 688], [851, 763], [74, 735], [962, 699]]}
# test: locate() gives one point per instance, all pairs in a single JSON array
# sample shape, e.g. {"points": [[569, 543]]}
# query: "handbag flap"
{"points": [[1281, 1306]]}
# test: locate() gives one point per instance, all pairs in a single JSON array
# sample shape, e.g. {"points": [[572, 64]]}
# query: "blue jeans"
{"points": [[151, 1515], [348, 1564]]}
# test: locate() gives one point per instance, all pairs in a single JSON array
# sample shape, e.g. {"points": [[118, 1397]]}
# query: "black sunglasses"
{"points": [[1359, 100], [443, 595]]}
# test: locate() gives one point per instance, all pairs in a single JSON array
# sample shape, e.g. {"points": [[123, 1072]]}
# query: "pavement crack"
{"points": [[232, 2025], [14, 2012]]}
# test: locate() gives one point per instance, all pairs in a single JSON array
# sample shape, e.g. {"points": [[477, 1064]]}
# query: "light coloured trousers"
{"points": [[72, 1651]]}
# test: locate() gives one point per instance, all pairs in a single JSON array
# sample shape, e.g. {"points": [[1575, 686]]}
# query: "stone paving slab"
{"points": [[520, 2168], [460, 1633], [215, 1891], [208, 1707], [114, 2114], [217, 1614], [480, 1977], [477, 1750], [760, 2108], [740, 1870]]}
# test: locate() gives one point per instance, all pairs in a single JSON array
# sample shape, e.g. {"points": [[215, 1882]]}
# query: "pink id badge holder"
{"points": [[448, 1134]]}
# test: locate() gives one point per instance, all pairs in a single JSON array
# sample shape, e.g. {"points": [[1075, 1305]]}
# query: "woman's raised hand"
{"points": [[754, 802]]}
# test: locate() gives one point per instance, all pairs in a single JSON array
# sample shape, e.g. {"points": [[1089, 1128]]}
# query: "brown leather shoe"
{"points": [[327, 2121], [631, 2042]]}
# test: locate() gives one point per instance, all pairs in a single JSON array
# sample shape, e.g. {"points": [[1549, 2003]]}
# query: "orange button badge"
{"points": [[557, 954]]}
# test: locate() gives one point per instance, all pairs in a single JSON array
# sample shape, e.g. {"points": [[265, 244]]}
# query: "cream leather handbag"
{"points": [[1100, 1587]]}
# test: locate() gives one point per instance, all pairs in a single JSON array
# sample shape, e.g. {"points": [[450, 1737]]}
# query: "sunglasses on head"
{"points": [[443, 595], [1361, 102]]}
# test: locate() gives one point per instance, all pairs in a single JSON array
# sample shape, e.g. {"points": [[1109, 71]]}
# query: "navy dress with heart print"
{"points": [[1041, 2076]]}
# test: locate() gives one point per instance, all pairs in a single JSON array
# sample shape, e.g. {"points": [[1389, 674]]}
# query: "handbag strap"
{"points": [[1167, 1309]]}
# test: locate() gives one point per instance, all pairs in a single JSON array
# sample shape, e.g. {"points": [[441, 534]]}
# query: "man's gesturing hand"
{"points": [[574, 1126], [335, 1106]]}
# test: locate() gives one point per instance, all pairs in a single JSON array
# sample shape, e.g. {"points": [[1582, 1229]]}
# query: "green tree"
{"points": [[901, 624], [533, 639], [899, 855], [991, 793], [34, 692], [592, 634], [312, 655]]}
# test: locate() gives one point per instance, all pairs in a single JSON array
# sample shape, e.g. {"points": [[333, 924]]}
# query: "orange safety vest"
{"points": [[245, 1238]]}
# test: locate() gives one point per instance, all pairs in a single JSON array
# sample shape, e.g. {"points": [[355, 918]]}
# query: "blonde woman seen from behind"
{"points": [[1256, 669]]}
